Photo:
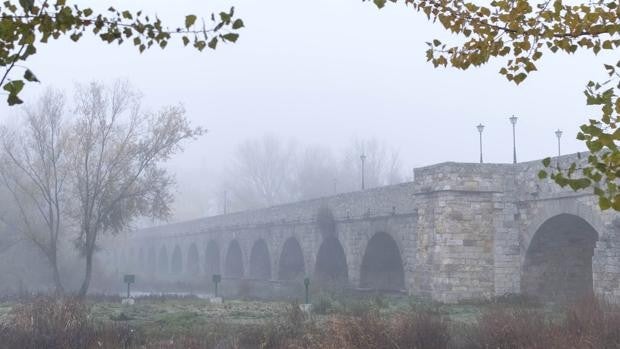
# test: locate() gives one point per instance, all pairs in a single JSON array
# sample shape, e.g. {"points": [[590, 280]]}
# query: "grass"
{"points": [[342, 322]]}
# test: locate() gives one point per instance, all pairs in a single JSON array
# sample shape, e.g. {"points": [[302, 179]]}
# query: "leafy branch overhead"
{"points": [[26, 25], [521, 32]]}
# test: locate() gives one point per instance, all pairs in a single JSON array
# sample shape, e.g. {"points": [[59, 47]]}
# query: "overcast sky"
{"points": [[327, 71]]}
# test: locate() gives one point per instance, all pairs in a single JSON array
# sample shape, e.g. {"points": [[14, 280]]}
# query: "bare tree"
{"points": [[382, 165], [116, 160], [267, 171], [34, 170], [261, 173], [316, 173]]}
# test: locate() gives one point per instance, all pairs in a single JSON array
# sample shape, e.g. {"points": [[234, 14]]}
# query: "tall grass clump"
{"points": [[46, 322]]}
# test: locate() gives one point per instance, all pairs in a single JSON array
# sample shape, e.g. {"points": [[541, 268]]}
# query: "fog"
{"points": [[324, 75]]}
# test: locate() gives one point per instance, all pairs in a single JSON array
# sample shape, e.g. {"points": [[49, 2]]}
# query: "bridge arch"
{"points": [[260, 262], [193, 260], [176, 266], [163, 266], [551, 209], [152, 260], [212, 259], [291, 264], [558, 260], [331, 263], [233, 265], [382, 265]]}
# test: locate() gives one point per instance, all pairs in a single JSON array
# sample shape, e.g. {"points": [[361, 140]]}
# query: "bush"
{"points": [[586, 324], [59, 323], [322, 304], [371, 330]]}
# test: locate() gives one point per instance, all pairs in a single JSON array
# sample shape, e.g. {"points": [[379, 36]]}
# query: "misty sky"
{"points": [[327, 71]]}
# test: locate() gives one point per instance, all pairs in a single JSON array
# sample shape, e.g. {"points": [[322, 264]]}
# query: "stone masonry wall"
{"points": [[462, 230]]}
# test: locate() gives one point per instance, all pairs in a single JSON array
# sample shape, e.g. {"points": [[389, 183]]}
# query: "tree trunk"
{"points": [[88, 272], [59, 289]]}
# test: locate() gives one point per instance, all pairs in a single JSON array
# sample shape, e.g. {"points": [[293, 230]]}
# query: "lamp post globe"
{"points": [[480, 129], [558, 134], [363, 159], [513, 120]]}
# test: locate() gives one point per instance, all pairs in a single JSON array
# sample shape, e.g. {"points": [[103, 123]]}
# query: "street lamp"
{"points": [[480, 129], [363, 158], [513, 121], [558, 134]]}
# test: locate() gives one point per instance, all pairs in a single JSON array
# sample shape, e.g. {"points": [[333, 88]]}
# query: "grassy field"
{"points": [[183, 312], [338, 321]]}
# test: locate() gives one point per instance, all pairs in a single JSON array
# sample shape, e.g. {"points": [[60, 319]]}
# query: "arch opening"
{"points": [[233, 266], [558, 261], [382, 265], [260, 262], [163, 260], [331, 263], [193, 261], [212, 259], [177, 261], [291, 264]]}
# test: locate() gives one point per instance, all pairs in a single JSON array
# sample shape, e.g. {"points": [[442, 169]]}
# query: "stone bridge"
{"points": [[458, 231]]}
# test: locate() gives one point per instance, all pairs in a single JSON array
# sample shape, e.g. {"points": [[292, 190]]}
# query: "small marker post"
{"points": [[216, 280], [307, 285], [129, 279]]}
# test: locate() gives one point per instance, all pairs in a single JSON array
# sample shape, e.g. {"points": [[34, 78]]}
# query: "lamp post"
{"points": [[558, 134], [480, 129], [363, 158], [513, 121]]}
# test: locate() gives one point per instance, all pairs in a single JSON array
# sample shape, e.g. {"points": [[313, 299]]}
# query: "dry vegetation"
{"points": [[49, 323]]}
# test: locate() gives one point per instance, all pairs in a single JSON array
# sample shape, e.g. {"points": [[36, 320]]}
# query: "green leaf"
{"points": [[225, 17], [231, 37], [190, 20], [14, 87], [212, 43], [28, 75], [26, 4], [542, 174], [380, 3], [519, 78], [237, 24], [604, 203], [87, 12], [13, 100], [546, 162]]}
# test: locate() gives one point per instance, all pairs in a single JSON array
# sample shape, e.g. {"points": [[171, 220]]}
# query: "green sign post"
{"points": [[129, 279], [216, 280], [307, 284]]}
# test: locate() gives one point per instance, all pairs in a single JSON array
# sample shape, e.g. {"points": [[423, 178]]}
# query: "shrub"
{"points": [[60, 323], [420, 330], [322, 304]]}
